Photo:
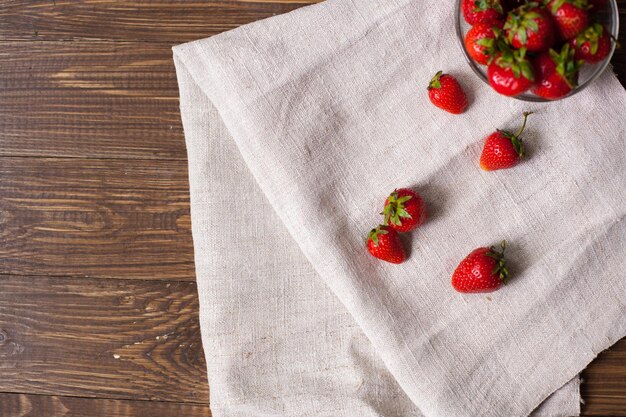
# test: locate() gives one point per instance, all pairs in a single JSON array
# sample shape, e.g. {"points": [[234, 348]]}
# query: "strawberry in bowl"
{"points": [[511, 73], [570, 17], [482, 11], [529, 26], [512, 52], [481, 41], [557, 73], [592, 45]]}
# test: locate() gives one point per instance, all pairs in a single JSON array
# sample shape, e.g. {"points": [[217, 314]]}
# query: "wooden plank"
{"points": [[95, 218], [94, 100], [169, 21], [604, 383], [101, 338], [140, 339], [89, 99], [24, 405]]}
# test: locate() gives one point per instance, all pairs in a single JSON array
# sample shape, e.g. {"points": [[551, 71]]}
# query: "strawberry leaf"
{"points": [[556, 5], [373, 234], [486, 42], [403, 213], [436, 80], [500, 268], [527, 70], [592, 35], [482, 5], [566, 66], [522, 36], [394, 210], [532, 25]]}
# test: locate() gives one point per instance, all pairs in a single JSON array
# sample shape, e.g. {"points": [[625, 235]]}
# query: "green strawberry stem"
{"points": [[436, 82], [566, 66], [592, 35], [482, 5], [373, 234], [515, 138], [526, 114], [394, 210], [500, 268]]}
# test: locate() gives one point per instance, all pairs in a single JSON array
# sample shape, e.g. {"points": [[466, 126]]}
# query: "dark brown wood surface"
{"points": [[108, 218], [98, 308], [25, 405], [105, 338]]}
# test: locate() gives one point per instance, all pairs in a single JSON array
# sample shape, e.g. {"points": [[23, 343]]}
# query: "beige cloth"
{"points": [[312, 104]]}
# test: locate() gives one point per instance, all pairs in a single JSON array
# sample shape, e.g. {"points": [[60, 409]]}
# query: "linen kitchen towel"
{"points": [[278, 342], [326, 108]]}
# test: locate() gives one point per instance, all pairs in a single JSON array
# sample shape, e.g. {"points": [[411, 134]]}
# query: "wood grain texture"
{"points": [[24, 405], [101, 338], [89, 99], [168, 21], [95, 218], [604, 383]]}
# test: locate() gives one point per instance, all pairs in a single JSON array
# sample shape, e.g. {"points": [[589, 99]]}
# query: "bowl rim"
{"points": [[600, 67]]}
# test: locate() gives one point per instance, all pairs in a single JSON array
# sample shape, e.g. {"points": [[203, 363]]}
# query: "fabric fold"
{"points": [[326, 108]]}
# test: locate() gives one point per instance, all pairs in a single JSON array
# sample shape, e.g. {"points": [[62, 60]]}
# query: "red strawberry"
{"points": [[480, 41], [446, 93], [570, 16], [557, 73], [404, 210], [384, 243], [503, 149], [531, 27], [511, 73], [482, 11], [483, 270], [592, 45]]}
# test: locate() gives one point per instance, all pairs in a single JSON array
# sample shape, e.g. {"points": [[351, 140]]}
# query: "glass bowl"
{"points": [[609, 17]]}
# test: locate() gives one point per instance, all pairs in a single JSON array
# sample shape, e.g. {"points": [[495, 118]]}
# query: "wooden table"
{"points": [[98, 306]]}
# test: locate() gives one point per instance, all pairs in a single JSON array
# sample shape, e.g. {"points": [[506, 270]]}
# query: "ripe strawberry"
{"points": [[592, 45], [482, 11], [557, 73], [384, 243], [503, 149], [531, 27], [511, 72], [445, 92], [480, 41], [570, 16], [404, 210], [483, 270]]}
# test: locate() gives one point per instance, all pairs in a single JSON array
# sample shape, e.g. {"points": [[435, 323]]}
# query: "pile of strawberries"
{"points": [[404, 210], [484, 269], [537, 47]]}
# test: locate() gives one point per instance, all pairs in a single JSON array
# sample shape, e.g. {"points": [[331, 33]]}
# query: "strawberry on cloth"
{"points": [[446, 93], [384, 243], [312, 115], [404, 210], [483, 270]]}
